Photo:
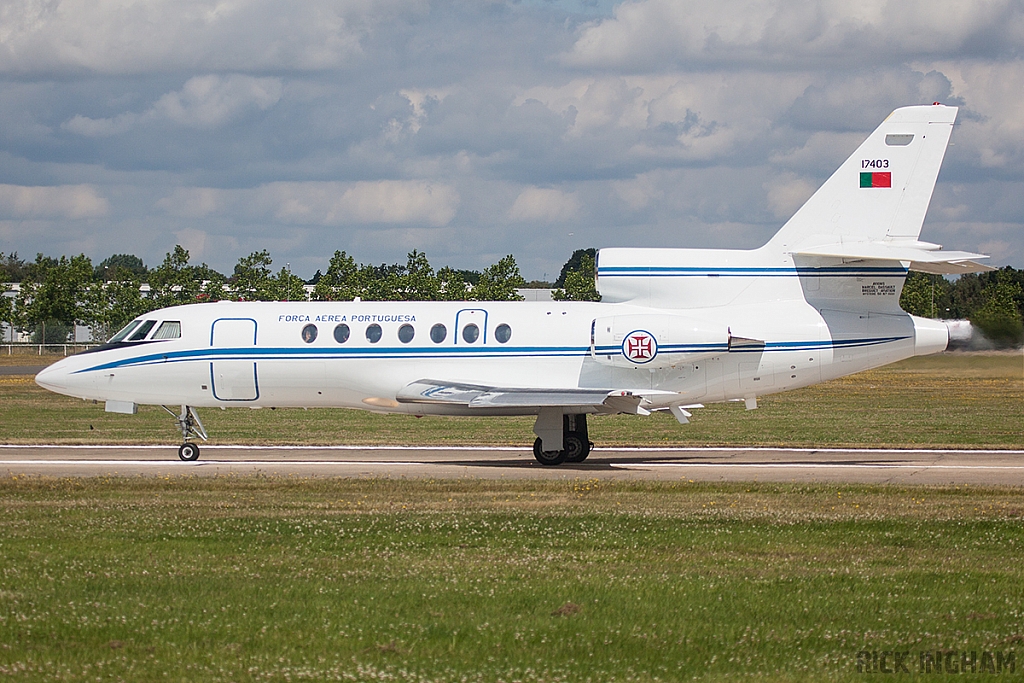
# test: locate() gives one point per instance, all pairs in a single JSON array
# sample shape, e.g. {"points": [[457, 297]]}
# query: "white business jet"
{"points": [[677, 328]]}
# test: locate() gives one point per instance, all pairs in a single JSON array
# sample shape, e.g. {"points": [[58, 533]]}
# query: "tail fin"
{"points": [[865, 220], [881, 193]]}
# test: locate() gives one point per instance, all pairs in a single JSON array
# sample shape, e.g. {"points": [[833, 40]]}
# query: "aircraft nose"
{"points": [[54, 378]]}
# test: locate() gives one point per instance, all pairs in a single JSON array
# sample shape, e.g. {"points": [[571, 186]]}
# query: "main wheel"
{"points": [[547, 457], [576, 449], [188, 452]]}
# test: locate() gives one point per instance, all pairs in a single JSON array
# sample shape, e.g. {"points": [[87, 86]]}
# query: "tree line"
{"points": [[993, 301], [58, 293]]}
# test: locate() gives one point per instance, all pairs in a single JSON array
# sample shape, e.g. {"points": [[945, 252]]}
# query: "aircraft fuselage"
{"points": [[235, 354]]}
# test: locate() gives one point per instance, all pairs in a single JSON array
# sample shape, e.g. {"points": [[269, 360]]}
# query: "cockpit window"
{"points": [[143, 330], [169, 329], [125, 331]]}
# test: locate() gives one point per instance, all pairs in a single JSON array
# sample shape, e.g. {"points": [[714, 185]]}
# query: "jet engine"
{"points": [[655, 341]]}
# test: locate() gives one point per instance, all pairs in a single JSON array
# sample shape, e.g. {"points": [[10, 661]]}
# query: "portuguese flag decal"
{"points": [[876, 179]]}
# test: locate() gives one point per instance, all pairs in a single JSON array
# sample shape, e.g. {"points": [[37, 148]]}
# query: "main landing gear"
{"points": [[191, 427], [576, 444]]}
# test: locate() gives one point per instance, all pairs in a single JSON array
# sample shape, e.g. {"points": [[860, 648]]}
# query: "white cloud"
{"points": [[194, 242], [543, 205], [328, 203], [402, 239], [119, 37], [822, 152], [203, 102], [382, 201], [208, 101], [652, 33], [604, 102], [672, 123], [193, 202], [992, 131], [787, 192], [999, 247], [678, 116], [61, 201], [419, 100], [637, 193], [100, 128]]}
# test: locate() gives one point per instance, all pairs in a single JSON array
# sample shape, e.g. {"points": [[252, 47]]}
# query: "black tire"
{"points": [[549, 458], [188, 452], [576, 450]]}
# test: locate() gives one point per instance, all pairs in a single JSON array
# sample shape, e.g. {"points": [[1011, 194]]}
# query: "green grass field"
{"points": [[949, 400], [274, 579], [255, 579]]}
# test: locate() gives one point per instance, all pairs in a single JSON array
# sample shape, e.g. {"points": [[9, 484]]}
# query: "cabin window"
{"points": [[503, 333], [373, 333], [470, 333], [143, 330], [309, 333], [406, 333], [341, 333], [169, 329], [438, 333], [125, 331]]}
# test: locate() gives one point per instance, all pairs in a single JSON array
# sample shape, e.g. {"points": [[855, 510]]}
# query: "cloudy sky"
{"points": [[470, 129]]}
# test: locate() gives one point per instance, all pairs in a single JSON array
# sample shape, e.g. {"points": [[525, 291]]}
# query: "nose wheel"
{"points": [[191, 427], [188, 452]]}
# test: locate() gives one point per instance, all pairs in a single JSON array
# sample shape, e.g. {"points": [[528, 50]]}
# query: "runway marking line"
{"points": [[400, 463], [838, 465], [519, 449], [201, 463]]}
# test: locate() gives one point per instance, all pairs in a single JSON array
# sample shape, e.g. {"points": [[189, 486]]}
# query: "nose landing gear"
{"points": [[191, 427], [576, 443]]}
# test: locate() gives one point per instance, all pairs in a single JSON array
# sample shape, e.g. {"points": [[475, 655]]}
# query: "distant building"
{"points": [[535, 294], [9, 334]]}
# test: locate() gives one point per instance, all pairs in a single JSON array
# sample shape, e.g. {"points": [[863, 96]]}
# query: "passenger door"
{"points": [[469, 318], [233, 375]]}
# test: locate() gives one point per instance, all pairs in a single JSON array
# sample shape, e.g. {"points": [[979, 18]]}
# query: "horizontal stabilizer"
{"points": [[477, 396], [922, 256]]}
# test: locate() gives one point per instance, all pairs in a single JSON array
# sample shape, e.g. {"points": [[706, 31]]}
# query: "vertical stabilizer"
{"points": [[881, 193], [848, 248]]}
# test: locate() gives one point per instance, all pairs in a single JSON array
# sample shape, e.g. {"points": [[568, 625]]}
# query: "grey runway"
{"points": [[868, 466], [21, 369]]}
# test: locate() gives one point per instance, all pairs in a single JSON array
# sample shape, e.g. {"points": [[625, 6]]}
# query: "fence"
{"points": [[28, 348]]}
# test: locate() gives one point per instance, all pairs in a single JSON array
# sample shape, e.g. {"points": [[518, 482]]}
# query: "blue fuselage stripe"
{"points": [[285, 353], [677, 271]]}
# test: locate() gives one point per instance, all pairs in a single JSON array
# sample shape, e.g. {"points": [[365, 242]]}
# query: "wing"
{"points": [[478, 396]]}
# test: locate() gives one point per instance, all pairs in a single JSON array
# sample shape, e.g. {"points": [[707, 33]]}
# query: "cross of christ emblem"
{"points": [[640, 347]]}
